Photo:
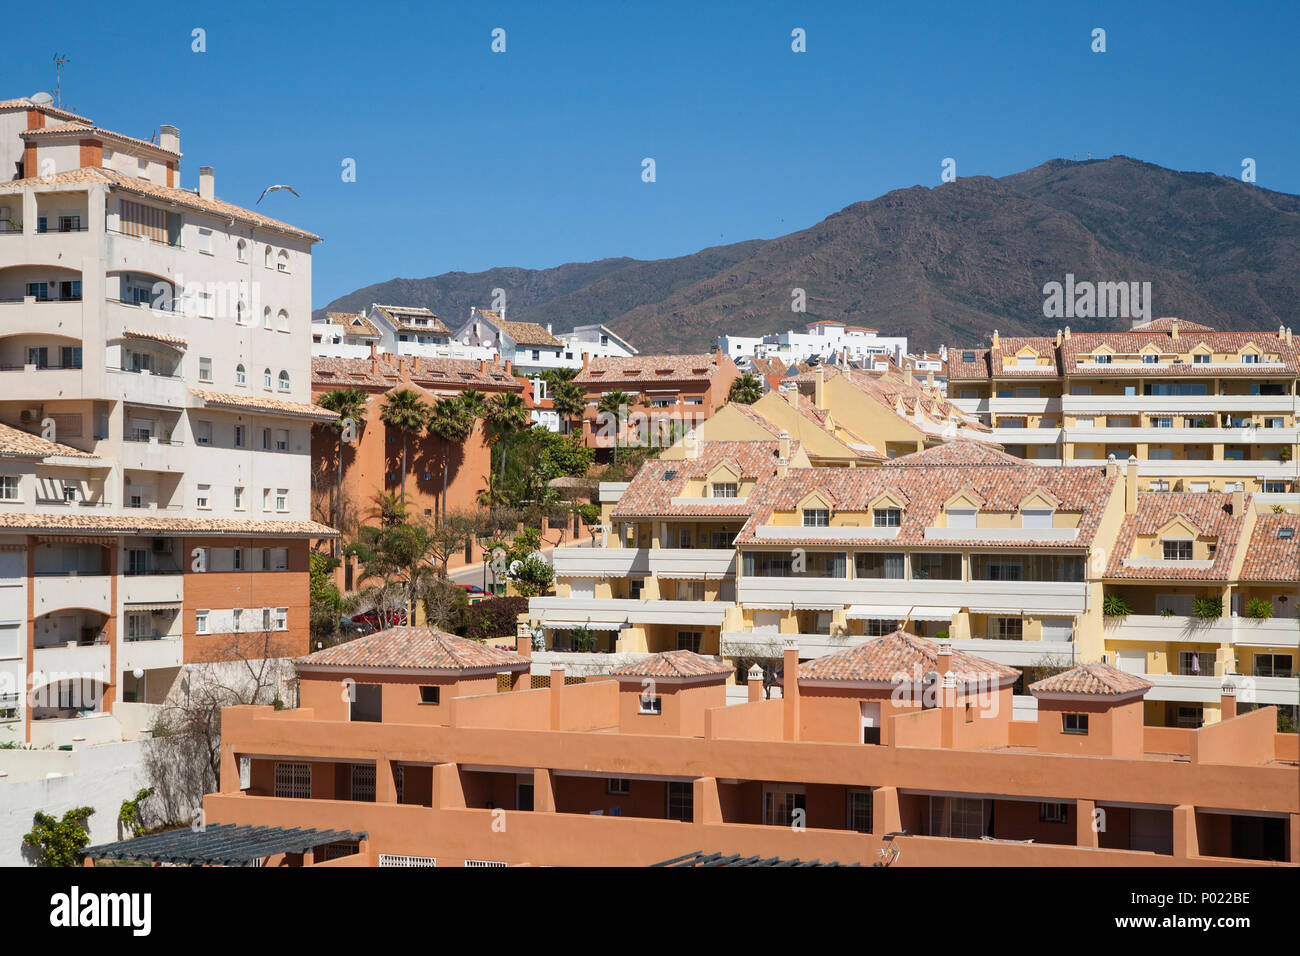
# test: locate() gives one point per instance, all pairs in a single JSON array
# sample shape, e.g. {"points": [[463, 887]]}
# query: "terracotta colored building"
{"points": [[433, 751]]}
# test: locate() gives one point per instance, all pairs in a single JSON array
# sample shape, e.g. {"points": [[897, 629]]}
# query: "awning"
{"points": [[221, 844], [589, 625], [914, 612], [155, 606]]}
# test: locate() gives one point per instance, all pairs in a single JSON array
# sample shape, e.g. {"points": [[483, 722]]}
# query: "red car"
{"points": [[370, 620]]}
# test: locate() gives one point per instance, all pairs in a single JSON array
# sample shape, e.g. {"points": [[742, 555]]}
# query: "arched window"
{"points": [[241, 378], [282, 261], [239, 313], [266, 317], [266, 379], [266, 259], [284, 380], [241, 251], [282, 321]]}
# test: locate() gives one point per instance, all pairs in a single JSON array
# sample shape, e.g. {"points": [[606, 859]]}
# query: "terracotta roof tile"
{"points": [[354, 323], [71, 128], [674, 664], [401, 316], [173, 340], [148, 524], [1098, 679], [640, 369], [960, 452], [650, 492], [897, 657], [255, 403], [414, 648], [1208, 511], [1271, 555], [15, 443], [27, 103]]}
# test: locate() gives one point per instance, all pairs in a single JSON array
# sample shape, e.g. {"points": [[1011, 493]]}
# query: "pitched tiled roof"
{"points": [[402, 317], [1098, 679], [1165, 324], [15, 443], [900, 657], [1269, 555], [27, 103], [414, 648], [927, 488], [641, 369], [354, 323], [86, 175], [529, 333], [175, 341], [331, 372], [255, 403], [83, 129], [958, 452], [1208, 511], [674, 664], [148, 524], [988, 362], [650, 492]]}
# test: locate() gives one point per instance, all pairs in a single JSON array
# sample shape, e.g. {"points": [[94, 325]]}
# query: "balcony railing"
{"points": [[173, 243]]}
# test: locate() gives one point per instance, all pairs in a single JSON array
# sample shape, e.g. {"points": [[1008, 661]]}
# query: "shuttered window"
{"points": [[146, 221]]}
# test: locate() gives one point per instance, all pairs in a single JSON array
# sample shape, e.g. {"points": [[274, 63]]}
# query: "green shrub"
{"points": [[495, 617], [1259, 609], [1208, 609], [1116, 605], [1166, 612]]}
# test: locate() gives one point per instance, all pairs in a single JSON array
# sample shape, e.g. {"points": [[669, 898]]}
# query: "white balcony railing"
{"points": [[835, 533], [90, 660], [149, 654], [1170, 436], [1187, 404], [1207, 689], [1063, 598], [601, 562], [558, 611], [1002, 534], [1173, 629], [696, 564], [1026, 436], [52, 592]]}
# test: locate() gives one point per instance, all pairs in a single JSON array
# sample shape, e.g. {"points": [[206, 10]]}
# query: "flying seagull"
{"points": [[271, 189]]}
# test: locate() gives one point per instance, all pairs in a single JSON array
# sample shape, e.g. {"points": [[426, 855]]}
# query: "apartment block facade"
{"points": [[155, 427], [441, 755], [1201, 410]]}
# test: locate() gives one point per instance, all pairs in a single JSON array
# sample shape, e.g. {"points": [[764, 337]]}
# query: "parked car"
{"points": [[471, 589], [370, 620], [350, 628]]}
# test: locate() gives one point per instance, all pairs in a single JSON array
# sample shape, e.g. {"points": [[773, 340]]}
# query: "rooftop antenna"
{"points": [[59, 61]]}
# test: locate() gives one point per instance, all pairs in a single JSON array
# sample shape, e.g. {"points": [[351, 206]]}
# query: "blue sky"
{"points": [[468, 159]]}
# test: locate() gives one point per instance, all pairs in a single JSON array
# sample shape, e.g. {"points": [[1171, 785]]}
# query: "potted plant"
{"points": [[1207, 609], [1259, 609], [1115, 605]]}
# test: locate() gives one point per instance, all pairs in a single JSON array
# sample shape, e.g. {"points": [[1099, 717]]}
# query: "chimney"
{"points": [[1058, 338], [1288, 335], [1066, 336], [1238, 502], [586, 360], [929, 380], [944, 662], [790, 687], [717, 355], [755, 676], [169, 137], [1131, 486], [404, 368], [557, 692], [508, 372], [207, 189], [482, 366], [907, 375], [548, 328], [1227, 700], [997, 340], [819, 388], [374, 360], [524, 648], [1173, 329]]}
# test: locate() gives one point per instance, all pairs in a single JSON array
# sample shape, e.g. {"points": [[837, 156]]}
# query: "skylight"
{"points": [[1284, 533]]}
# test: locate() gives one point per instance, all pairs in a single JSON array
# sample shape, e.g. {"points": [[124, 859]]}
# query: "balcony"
{"points": [[556, 611], [601, 562], [1191, 436], [1246, 631], [41, 382], [162, 650], [152, 454], [52, 592], [696, 564], [1020, 653], [1185, 404], [31, 315], [157, 587], [1189, 688], [74, 658], [1193, 468], [771, 643], [1026, 436], [824, 533], [1057, 598], [1008, 406], [146, 388], [91, 728], [1006, 535]]}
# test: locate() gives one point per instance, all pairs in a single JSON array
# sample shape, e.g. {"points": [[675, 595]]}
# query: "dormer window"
{"points": [[1250, 358], [1101, 359], [1150, 359], [725, 489], [961, 518], [1177, 549], [816, 517], [1036, 518], [887, 517], [1201, 358], [968, 356]]}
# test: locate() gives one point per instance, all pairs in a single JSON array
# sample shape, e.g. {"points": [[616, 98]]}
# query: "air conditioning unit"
{"points": [[29, 416]]}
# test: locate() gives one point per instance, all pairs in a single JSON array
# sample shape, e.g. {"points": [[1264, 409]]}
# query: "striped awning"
{"points": [[155, 606], [589, 625]]}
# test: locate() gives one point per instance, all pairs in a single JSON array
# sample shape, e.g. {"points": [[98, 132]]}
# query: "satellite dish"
{"points": [[41, 99]]}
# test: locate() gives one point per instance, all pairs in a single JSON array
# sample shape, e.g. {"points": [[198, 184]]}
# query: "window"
{"points": [[780, 564], [634, 588], [293, 780], [1074, 723], [689, 641], [1007, 629], [780, 804], [281, 439], [266, 499], [200, 622], [201, 501], [205, 241], [282, 321], [241, 251], [878, 564], [282, 499], [1162, 421], [681, 801], [241, 377], [363, 782], [1177, 550], [239, 504], [968, 356], [816, 517], [1190, 716], [961, 518], [203, 433], [1052, 813], [858, 810], [239, 436], [1195, 663], [282, 261], [1101, 359], [959, 817], [1025, 567], [618, 786], [284, 380], [887, 517], [205, 369], [430, 694], [38, 355], [651, 704], [1250, 359], [280, 619], [876, 627], [1201, 359], [39, 290], [9, 488], [237, 559], [1036, 518], [725, 489], [1272, 665], [1150, 359], [936, 567], [69, 491], [1285, 534], [266, 439], [266, 379]]}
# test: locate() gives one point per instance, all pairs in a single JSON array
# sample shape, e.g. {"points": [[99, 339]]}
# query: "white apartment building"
{"points": [[825, 339], [155, 418]]}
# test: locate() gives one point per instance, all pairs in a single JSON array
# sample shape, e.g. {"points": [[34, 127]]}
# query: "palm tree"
{"points": [[745, 390], [555, 377], [449, 422], [506, 413], [615, 403], [349, 403], [405, 411], [569, 401], [474, 402]]}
